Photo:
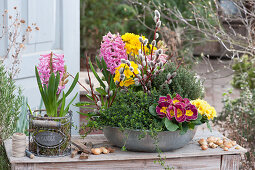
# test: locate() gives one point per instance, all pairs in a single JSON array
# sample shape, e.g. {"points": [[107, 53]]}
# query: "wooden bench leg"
{"points": [[230, 162]]}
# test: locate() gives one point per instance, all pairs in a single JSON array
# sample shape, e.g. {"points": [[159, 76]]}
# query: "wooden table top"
{"points": [[190, 150]]}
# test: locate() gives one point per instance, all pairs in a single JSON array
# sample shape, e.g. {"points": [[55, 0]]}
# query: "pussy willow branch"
{"points": [[90, 84]]}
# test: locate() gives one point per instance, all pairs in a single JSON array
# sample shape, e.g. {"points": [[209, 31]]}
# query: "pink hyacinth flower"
{"points": [[112, 50], [51, 63]]}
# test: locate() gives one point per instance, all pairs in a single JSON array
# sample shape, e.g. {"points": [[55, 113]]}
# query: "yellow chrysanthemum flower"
{"points": [[204, 108], [132, 44], [129, 75]]}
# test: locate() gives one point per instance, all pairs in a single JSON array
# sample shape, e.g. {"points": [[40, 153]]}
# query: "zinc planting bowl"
{"points": [[132, 140]]}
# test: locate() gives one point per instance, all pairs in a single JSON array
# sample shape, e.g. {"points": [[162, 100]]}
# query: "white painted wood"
{"points": [[59, 23]]}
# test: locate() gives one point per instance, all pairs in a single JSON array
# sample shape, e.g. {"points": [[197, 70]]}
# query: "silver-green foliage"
{"points": [[10, 103], [22, 123]]}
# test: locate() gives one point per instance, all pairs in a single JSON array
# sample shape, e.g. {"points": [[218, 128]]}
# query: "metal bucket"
{"points": [[49, 136], [132, 140]]}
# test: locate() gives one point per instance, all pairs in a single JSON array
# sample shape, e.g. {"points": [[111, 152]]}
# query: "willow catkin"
{"points": [[18, 144]]}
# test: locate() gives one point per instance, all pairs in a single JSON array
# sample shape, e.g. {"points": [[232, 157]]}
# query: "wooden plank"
{"points": [[195, 163], [22, 166], [230, 162], [190, 150]]}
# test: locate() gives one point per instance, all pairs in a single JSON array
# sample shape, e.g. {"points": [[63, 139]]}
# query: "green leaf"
{"points": [[101, 91], [57, 82], [67, 107], [86, 114], [40, 84], [75, 80], [61, 113], [99, 65], [96, 75], [197, 122], [152, 109], [170, 125], [209, 126], [71, 87], [84, 104], [83, 107], [184, 128], [191, 125], [29, 109], [199, 116]]}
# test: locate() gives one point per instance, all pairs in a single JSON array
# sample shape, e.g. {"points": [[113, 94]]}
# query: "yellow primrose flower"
{"points": [[204, 108], [129, 75], [127, 82], [132, 44]]}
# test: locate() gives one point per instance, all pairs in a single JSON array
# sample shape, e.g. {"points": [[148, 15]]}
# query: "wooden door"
{"points": [[59, 24]]}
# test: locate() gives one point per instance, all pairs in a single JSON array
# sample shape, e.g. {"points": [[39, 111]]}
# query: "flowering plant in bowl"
{"points": [[178, 113], [143, 90], [51, 75]]}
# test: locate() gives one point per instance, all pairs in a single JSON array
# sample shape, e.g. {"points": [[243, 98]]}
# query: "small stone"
{"points": [[225, 149], [204, 147], [84, 156], [111, 150], [238, 147]]}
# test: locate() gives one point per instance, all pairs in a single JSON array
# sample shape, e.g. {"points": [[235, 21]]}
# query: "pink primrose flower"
{"points": [[178, 108]]}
